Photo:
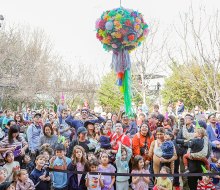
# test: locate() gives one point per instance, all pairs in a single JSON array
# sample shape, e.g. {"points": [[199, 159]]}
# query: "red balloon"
{"points": [[120, 75]]}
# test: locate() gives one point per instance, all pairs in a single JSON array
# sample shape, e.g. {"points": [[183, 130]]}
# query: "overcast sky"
{"points": [[70, 23]]}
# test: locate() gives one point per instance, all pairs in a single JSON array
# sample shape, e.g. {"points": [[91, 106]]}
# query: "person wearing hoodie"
{"points": [[123, 157]]}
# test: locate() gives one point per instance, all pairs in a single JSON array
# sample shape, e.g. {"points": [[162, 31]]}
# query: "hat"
{"points": [[89, 122], [59, 147], [81, 130], [5, 185], [211, 114], [37, 114]]}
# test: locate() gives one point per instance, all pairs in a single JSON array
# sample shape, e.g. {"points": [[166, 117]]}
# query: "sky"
{"points": [[70, 24]]}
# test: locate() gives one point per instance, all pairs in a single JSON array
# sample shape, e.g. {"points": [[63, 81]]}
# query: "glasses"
{"points": [[84, 112]]}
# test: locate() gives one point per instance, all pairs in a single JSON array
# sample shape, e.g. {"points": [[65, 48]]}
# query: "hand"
{"points": [[52, 159], [42, 177], [147, 162], [12, 148], [162, 160]]}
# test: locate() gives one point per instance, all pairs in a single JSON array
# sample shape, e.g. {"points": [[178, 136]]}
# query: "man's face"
{"points": [[118, 128], [125, 120], [37, 119], [84, 113], [188, 120], [212, 119], [64, 114]]}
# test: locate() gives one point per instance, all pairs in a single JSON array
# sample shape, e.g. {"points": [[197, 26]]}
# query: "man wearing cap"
{"points": [[213, 132], [81, 141], [84, 113], [34, 133]]}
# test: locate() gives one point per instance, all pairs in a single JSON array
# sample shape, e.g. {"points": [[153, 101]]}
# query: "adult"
{"points": [[109, 126], [27, 115], [20, 122], [61, 107], [84, 114], [48, 138], [185, 134], [81, 141], [114, 118], [91, 136], [119, 136], [180, 108], [6, 119], [129, 128], [64, 128], [152, 123], [14, 142], [213, 132], [157, 162], [141, 142], [34, 133]]}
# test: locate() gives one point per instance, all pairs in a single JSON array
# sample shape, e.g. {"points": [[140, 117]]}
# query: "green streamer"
{"points": [[127, 93], [197, 125]]}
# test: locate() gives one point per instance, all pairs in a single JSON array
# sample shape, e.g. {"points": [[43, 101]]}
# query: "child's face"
{"points": [[60, 153], [93, 168], [10, 158], [163, 171], [196, 134], [104, 158], [141, 164], [105, 130], [40, 162], [11, 187], [123, 155], [24, 176], [206, 179], [91, 156], [66, 144], [167, 137], [78, 153], [27, 159], [46, 155]]}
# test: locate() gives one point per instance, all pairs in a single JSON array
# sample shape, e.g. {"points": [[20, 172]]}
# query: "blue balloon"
{"points": [[109, 25]]}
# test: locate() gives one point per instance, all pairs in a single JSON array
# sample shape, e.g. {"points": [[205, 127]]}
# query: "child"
{"points": [[77, 181], [139, 182], [11, 166], [90, 156], [163, 183], [215, 168], [196, 145], [106, 167], [205, 183], [104, 138], [94, 182], [27, 164], [23, 182], [60, 161], [3, 174], [166, 150], [122, 163], [38, 175]]}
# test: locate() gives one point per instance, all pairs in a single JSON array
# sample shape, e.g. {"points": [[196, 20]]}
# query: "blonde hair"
{"points": [[83, 159], [22, 171], [201, 131]]}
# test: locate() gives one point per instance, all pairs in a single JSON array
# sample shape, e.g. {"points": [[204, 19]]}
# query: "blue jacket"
{"points": [[78, 123], [211, 134]]}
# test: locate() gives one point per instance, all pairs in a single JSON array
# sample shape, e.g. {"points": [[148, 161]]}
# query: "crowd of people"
{"points": [[36, 146]]}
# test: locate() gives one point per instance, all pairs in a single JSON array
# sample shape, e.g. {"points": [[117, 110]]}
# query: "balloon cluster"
{"points": [[121, 29]]}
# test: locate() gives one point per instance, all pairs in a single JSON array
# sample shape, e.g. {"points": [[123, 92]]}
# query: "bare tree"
{"points": [[199, 45]]}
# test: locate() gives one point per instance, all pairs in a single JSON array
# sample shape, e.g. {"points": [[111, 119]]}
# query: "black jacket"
{"points": [[196, 145]]}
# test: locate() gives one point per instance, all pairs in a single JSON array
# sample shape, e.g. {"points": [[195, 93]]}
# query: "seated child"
{"points": [[163, 183], [196, 145], [205, 183], [38, 175], [23, 182], [27, 164], [215, 168]]}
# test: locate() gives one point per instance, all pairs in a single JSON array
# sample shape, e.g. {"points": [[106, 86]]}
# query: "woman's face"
{"points": [[91, 127], [160, 136], [14, 135], [47, 131], [109, 124], [144, 129], [18, 118]]}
